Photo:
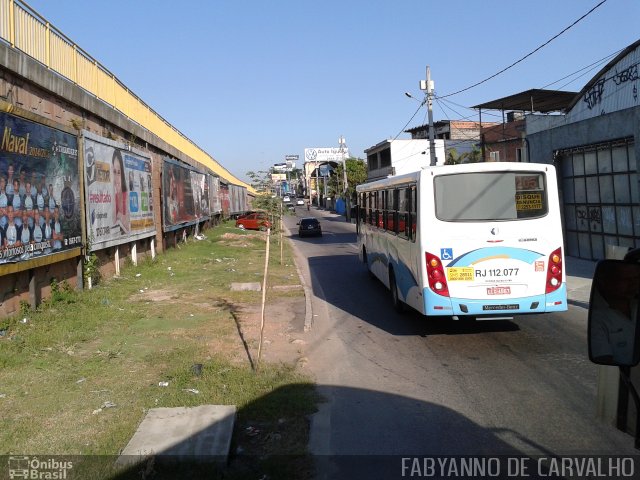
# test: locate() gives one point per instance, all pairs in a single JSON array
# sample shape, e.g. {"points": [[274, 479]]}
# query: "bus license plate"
{"points": [[501, 307], [496, 272]]}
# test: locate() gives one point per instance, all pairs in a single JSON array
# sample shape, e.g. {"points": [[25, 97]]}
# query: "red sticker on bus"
{"points": [[499, 291]]}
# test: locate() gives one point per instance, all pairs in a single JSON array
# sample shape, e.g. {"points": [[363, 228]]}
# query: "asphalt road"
{"points": [[399, 384]]}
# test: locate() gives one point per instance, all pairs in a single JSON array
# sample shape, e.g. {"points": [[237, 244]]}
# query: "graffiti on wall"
{"points": [[626, 75], [594, 96]]}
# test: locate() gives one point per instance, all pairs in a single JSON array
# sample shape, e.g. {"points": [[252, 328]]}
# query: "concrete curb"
{"points": [[308, 316]]}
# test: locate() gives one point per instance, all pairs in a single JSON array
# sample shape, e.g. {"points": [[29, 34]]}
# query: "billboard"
{"points": [[237, 199], [185, 193], [119, 194], [39, 190], [214, 195], [330, 154]]}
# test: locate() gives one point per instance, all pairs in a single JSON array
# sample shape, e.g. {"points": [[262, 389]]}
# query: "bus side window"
{"points": [[414, 212], [372, 208], [362, 210], [394, 207], [403, 220], [383, 209]]}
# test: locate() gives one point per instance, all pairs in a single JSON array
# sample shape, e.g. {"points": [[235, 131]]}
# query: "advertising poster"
{"points": [[200, 189], [224, 199], [39, 190], [214, 191], [119, 193], [185, 192]]}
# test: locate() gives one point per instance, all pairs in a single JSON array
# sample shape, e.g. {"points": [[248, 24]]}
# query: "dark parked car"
{"points": [[309, 226]]}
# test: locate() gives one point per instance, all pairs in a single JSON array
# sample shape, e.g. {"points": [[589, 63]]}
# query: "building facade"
{"points": [[395, 157], [595, 149]]}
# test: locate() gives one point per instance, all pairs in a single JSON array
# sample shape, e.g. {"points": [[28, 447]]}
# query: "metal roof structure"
{"points": [[534, 100]]}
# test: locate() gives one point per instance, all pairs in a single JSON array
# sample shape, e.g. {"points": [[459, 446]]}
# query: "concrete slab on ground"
{"points": [[245, 287], [182, 433]]}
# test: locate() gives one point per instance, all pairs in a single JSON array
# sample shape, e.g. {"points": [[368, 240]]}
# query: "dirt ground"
{"points": [[283, 331]]}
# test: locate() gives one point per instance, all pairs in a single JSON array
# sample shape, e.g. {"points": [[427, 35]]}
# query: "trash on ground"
{"points": [[81, 380], [3, 395], [163, 384], [108, 404], [24, 320], [192, 390], [138, 274], [141, 291], [169, 268], [252, 431]]}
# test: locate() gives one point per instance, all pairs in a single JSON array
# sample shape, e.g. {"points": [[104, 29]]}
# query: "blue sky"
{"points": [[251, 81]]}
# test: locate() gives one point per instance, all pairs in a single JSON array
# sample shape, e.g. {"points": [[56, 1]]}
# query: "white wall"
{"points": [[407, 156]]}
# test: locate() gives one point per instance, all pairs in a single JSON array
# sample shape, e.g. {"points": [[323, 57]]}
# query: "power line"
{"points": [[588, 68], [527, 55], [412, 117]]}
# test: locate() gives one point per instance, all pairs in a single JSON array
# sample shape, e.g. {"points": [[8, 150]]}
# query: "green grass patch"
{"points": [[63, 367]]}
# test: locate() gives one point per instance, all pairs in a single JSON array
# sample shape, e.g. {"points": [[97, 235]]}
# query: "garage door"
{"points": [[601, 204]]}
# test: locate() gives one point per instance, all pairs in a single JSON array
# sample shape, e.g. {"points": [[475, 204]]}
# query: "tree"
{"points": [[260, 180], [356, 174], [474, 156], [453, 158]]}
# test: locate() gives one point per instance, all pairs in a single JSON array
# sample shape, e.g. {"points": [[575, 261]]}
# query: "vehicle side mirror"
{"points": [[613, 332]]}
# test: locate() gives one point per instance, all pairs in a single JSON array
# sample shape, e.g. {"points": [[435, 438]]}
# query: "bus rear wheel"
{"points": [[398, 304]]}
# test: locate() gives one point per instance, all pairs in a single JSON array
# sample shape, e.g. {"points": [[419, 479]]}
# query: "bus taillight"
{"points": [[435, 273], [554, 271]]}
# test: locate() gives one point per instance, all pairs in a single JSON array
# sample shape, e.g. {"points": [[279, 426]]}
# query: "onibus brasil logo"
{"points": [[41, 469]]}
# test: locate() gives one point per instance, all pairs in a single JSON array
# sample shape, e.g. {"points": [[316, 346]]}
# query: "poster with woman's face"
{"points": [[184, 195], [119, 204]]}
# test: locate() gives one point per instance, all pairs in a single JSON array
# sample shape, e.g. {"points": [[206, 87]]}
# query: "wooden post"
{"points": [[134, 253], [264, 299]]}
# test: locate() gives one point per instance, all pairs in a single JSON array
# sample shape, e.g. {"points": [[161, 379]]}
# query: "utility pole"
{"points": [[427, 86], [347, 204]]}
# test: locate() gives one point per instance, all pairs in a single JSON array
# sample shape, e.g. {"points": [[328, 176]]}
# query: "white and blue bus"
{"points": [[466, 241]]}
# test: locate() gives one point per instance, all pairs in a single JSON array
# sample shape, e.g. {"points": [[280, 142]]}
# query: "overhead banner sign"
{"points": [[118, 192], [39, 190], [185, 192], [330, 154]]}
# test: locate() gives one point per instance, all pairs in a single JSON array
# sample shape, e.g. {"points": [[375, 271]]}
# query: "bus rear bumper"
{"points": [[439, 305]]}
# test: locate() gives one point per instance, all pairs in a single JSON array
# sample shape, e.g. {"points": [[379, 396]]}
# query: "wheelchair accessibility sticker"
{"points": [[446, 253]]}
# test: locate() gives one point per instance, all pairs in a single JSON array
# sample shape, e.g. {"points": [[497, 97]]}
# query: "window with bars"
{"points": [[600, 196]]}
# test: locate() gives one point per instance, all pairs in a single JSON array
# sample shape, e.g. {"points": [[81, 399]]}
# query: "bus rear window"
{"points": [[490, 196]]}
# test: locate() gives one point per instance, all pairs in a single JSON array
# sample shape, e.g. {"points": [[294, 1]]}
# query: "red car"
{"points": [[254, 221]]}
